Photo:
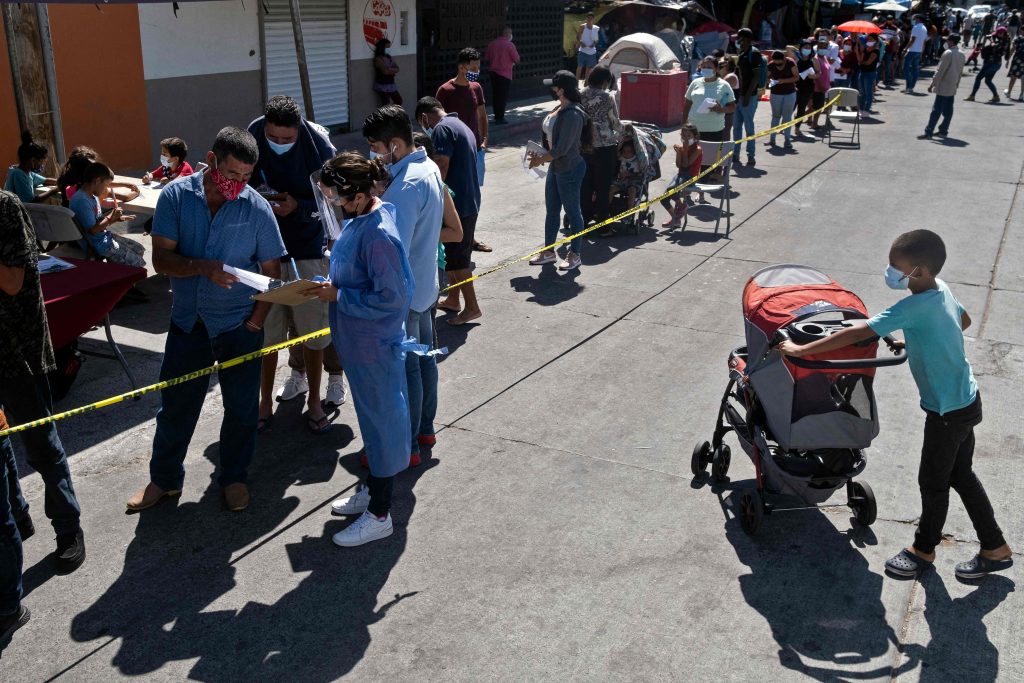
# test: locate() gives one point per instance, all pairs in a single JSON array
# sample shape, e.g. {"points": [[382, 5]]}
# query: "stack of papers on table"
{"points": [[52, 264]]}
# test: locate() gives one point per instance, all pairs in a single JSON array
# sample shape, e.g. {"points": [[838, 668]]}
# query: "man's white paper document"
{"points": [[807, 73], [533, 148], [705, 106], [260, 283]]}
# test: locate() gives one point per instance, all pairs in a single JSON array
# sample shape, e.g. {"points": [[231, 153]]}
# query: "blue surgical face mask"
{"points": [[278, 148], [806, 52], [707, 73], [473, 76], [896, 278]]}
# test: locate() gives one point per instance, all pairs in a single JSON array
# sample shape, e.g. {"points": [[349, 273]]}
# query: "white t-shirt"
{"points": [[920, 35], [589, 38]]}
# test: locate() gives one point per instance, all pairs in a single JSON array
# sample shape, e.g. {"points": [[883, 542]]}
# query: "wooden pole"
{"points": [[29, 78], [300, 58]]}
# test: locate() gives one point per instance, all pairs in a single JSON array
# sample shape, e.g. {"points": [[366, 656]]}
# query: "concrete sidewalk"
{"points": [[556, 532]]}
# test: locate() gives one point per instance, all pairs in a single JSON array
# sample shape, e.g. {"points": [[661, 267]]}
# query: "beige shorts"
{"points": [[305, 318]]}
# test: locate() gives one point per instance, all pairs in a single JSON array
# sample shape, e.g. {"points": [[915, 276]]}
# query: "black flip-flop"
{"points": [[263, 424], [906, 564], [320, 426], [979, 566]]}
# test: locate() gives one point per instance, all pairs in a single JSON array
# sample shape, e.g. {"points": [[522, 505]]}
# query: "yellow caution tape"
{"points": [[217, 367]]}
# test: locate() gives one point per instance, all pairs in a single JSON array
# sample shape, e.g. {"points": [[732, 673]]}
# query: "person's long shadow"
{"points": [[548, 288], [182, 560], [960, 648], [815, 590]]}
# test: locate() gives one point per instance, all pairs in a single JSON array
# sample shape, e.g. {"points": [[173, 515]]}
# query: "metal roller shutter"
{"points": [[325, 34]]}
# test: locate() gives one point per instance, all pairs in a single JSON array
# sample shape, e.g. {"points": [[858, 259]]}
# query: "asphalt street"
{"points": [[556, 532]]}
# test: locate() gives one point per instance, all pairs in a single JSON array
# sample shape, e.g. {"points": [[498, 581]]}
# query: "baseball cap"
{"points": [[566, 80]]}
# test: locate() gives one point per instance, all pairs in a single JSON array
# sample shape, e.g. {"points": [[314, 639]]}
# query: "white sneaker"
{"points": [[365, 529], [571, 262], [337, 393], [543, 258], [294, 386], [353, 505]]}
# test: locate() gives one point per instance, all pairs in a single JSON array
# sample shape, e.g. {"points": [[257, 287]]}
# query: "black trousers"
{"points": [[946, 462], [803, 98], [602, 167], [499, 94], [381, 489]]}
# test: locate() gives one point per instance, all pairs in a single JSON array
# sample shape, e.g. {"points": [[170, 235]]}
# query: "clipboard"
{"points": [[289, 294]]}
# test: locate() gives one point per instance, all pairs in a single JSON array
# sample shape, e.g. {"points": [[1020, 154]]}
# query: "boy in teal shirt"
{"points": [[932, 321]]}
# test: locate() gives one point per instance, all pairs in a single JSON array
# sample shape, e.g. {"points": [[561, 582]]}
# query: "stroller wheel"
{"points": [[865, 509], [751, 512], [720, 462], [700, 458]]}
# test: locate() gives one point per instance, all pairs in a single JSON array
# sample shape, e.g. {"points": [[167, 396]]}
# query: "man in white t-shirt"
{"points": [[587, 37], [912, 54]]}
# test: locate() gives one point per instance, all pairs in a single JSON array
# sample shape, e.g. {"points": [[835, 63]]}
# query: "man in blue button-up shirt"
{"points": [[416, 192], [202, 223]]}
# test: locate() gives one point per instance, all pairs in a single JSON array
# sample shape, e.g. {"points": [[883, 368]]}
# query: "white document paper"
{"points": [[772, 83], [705, 106], [260, 283], [533, 148], [807, 73], [52, 264]]}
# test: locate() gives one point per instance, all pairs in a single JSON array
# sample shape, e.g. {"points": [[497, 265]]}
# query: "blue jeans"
{"points": [[782, 112], [887, 67], [988, 70], [867, 89], [481, 166], [562, 190], [10, 539], [911, 67], [943, 107], [744, 118], [421, 376], [25, 399], [181, 405]]}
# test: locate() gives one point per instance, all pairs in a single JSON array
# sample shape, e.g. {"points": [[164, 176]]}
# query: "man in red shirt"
{"points": [[463, 95], [501, 56]]}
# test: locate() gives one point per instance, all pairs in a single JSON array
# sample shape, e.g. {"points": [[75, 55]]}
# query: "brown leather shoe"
{"points": [[236, 496], [149, 496]]}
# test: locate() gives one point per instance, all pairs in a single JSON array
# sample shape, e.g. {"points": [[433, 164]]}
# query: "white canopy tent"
{"points": [[638, 51]]}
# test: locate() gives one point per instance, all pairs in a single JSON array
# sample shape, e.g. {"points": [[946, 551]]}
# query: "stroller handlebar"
{"points": [[899, 357]]}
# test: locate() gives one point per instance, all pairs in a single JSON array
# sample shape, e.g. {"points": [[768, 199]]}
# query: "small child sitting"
{"points": [[933, 322], [688, 160], [630, 179], [172, 162], [96, 179]]}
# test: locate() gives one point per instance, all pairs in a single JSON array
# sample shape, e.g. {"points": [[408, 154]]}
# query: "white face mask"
{"points": [[165, 160]]}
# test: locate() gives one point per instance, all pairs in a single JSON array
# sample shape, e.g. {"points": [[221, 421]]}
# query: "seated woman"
{"points": [[24, 178]]}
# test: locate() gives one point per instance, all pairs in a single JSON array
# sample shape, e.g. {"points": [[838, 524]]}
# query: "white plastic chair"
{"points": [[712, 152], [850, 98]]}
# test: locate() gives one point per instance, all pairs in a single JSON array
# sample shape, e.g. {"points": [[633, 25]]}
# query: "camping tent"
{"points": [[638, 51]]}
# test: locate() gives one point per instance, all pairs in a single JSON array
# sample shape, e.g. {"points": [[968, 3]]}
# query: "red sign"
{"points": [[379, 21]]}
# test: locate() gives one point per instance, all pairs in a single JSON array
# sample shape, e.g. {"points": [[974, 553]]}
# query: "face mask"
{"points": [[806, 52], [226, 186], [510, 37], [165, 160], [896, 279], [707, 73], [472, 76], [847, 48], [38, 169], [278, 148], [871, 43]]}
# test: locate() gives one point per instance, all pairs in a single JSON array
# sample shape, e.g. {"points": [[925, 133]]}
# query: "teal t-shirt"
{"points": [[935, 347], [23, 184]]}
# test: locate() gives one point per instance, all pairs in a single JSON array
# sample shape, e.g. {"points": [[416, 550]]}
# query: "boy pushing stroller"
{"points": [[932, 321]]}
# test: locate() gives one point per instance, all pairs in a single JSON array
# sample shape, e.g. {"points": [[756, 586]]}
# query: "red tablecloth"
{"points": [[79, 298]]}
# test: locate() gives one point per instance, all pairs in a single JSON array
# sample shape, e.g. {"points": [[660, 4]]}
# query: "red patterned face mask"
{"points": [[227, 187]]}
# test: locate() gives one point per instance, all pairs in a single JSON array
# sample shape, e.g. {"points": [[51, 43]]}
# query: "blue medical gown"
{"points": [[370, 268]]}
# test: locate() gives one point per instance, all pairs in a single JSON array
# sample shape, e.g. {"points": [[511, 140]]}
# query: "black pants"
{"points": [[381, 489], [803, 98], [499, 94], [946, 459], [602, 167]]}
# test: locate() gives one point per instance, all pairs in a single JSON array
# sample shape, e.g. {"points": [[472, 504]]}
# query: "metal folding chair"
{"points": [[714, 151], [850, 98], [58, 224]]}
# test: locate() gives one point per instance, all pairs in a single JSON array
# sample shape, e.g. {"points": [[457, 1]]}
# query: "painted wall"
{"points": [[369, 19], [202, 70], [11, 137], [100, 81]]}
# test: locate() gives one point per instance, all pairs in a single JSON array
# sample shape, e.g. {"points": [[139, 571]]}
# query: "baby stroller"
{"points": [[649, 147], [804, 422]]}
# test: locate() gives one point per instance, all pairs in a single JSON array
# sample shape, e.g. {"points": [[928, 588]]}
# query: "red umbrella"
{"points": [[713, 27], [859, 27]]}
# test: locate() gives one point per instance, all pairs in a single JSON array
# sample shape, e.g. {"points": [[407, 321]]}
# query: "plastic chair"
{"points": [[712, 152], [58, 224], [848, 97]]}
